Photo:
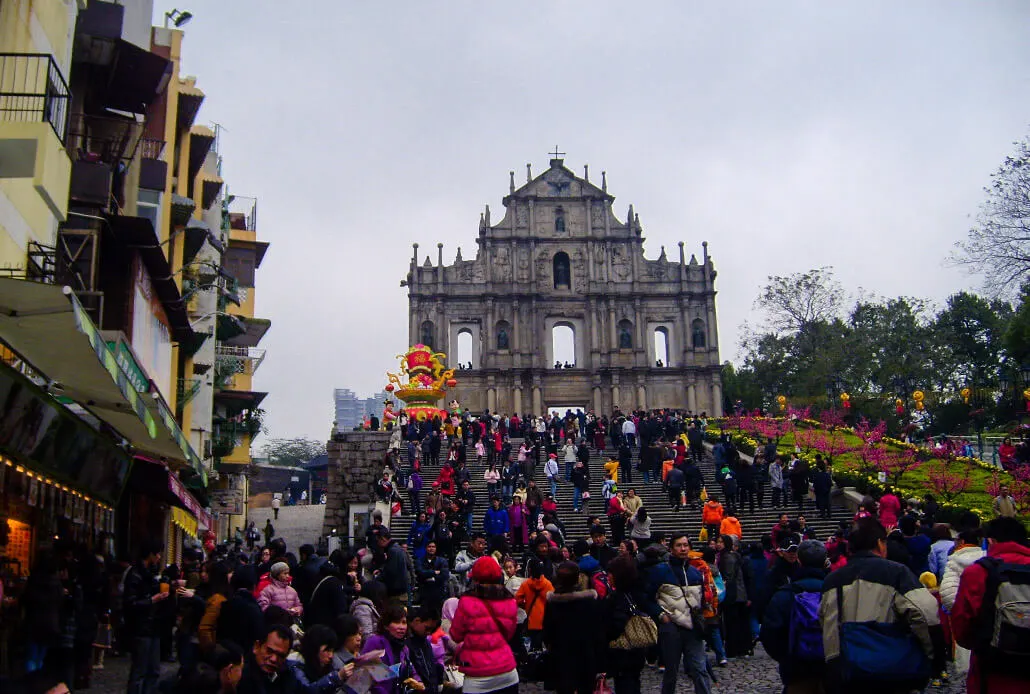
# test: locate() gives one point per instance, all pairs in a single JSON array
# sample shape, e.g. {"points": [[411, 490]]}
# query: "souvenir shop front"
{"points": [[60, 479]]}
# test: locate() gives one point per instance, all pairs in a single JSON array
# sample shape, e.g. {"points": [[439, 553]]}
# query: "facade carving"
{"points": [[560, 257]]}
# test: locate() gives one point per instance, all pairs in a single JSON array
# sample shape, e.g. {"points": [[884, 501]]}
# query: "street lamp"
{"points": [[177, 18]]}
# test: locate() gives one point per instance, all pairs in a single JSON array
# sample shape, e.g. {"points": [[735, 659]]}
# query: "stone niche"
{"points": [[356, 461]]}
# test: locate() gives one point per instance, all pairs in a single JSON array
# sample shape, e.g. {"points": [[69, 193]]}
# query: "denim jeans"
{"points": [[468, 522], [554, 486], [568, 470], [506, 491], [647, 475], [35, 655], [146, 665], [714, 638], [675, 643], [577, 498]]}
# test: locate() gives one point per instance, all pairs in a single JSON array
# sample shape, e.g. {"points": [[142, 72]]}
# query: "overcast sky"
{"points": [[789, 135]]}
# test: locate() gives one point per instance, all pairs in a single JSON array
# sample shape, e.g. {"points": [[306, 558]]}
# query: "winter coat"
{"points": [[731, 526], [580, 478], [734, 572], [240, 620], [617, 609], [775, 634], [673, 588], [632, 504], [394, 573], [640, 530], [776, 476], [484, 624], [207, 630], [367, 615], [378, 642], [331, 597], [574, 635], [326, 684], [551, 468], [532, 597], [890, 507], [967, 609], [496, 522], [711, 514], [939, 557], [959, 561], [418, 538], [280, 594], [518, 521]]}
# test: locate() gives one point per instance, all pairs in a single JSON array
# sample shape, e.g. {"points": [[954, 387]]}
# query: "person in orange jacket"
{"points": [[712, 515], [532, 597], [730, 526]]}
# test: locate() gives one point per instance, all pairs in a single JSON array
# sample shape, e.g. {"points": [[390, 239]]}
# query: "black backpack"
{"points": [[1003, 626]]}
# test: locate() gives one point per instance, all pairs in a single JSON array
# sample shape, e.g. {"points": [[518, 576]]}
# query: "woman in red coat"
{"points": [[484, 624], [445, 481]]}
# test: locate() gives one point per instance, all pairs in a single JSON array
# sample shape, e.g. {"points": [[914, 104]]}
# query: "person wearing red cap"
{"points": [[551, 470], [484, 623]]}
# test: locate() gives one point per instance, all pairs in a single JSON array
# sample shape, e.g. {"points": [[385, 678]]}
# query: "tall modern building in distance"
{"points": [[351, 410]]}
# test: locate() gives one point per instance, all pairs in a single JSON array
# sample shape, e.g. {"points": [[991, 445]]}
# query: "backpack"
{"points": [[608, 490], [1003, 631], [806, 632], [599, 582]]}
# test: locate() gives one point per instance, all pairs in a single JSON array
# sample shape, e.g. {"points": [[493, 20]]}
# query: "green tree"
{"points": [[1017, 335], [291, 452], [969, 333]]}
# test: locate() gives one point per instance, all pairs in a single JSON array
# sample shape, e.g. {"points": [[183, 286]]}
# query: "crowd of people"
{"points": [[483, 599]]}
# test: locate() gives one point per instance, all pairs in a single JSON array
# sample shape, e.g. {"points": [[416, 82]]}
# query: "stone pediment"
{"points": [[558, 182]]}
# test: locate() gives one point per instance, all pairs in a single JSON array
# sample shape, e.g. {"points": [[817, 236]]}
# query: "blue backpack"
{"points": [[806, 633]]}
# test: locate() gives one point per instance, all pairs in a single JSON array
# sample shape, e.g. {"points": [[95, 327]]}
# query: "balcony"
{"points": [[34, 103], [33, 90], [230, 361], [98, 146], [186, 390]]}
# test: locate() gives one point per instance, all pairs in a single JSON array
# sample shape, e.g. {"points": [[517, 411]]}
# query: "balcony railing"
{"points": [[149, 148], [103, 138], [186, 391], [231, 360], [33, 90]]}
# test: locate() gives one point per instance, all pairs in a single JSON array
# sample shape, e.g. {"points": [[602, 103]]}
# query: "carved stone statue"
{"points": [[502, 338], [625, 338], [698, 333]]}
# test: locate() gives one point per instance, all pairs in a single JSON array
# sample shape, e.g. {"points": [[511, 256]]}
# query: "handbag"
{"points": [[640, 632], [453, 676], [872, 652]]}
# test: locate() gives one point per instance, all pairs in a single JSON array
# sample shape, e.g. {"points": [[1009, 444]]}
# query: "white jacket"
{"points": [[958, 562], [551, 468], [628, 427]]}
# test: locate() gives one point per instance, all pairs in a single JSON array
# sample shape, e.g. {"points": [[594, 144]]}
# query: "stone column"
{"points": [[638, 317], [538, 405], [692, 398], [517, 403], [516, 326], [491, 399], [641, 397], [613, 339], [355, 462], [596, 392], [615, 395], [713, 333], [487, 336], [716, 397]]}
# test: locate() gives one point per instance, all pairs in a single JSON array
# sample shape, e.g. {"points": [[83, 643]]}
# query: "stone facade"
{"points": [[560, 257], [355, 463]]}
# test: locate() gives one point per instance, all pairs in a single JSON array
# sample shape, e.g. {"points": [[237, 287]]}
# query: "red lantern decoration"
{"points": [[389, 387], [900, 409], [451, 382]]}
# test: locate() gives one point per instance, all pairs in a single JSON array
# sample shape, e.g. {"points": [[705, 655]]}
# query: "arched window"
{"points": [[559, 221], [503, 335], [625, 334], [428, 333], [562, 273], [661, 347], [697, 334], [563, 344], [464, 346]]}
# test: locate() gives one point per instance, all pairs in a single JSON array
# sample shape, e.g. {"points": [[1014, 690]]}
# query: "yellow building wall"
{"points": [[38, 26]]}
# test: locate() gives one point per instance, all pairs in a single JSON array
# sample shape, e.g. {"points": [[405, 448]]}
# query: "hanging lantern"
{"points": [[389, 387], [845, 401], [965, 393], [919, 405], [918, 396], [899, 402], [782, 401]]}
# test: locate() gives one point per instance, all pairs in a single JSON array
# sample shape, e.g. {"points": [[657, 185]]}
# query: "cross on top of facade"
{"points": [[556, 154]]}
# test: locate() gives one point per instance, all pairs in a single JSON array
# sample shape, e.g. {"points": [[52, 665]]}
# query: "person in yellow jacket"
{"points": [[532, 597], [612, 468]]}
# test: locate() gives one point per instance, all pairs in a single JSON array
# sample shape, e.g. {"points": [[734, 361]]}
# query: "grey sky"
{"points": [[788, 135]]}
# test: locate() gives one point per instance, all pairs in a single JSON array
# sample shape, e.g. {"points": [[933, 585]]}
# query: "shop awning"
{"points": [[153, 478], [47, 327]]}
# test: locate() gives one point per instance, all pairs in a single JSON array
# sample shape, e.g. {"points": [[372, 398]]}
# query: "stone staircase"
{"points": [[654, 497]]}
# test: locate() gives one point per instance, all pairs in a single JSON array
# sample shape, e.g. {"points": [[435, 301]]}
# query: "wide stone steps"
{"points": [[655, 500]]}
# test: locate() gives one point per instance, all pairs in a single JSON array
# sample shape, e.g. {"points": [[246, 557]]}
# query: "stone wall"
{"points": [[355, 462]]}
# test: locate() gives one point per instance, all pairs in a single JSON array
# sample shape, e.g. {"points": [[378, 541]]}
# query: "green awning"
{"points": [[48, 328]]}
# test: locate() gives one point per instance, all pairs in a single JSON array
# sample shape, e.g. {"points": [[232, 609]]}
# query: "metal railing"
{"points": [[238, 360], [103, 138], [33, 90], [187, 389], [149, 148]]}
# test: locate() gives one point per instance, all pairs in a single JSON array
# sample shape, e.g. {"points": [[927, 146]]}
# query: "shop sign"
{"points": [[227, 501], [133, 372]]}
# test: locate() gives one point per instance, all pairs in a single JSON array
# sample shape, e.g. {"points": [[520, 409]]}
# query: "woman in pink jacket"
{"points": [[484, 624], [890, 508], [279, 592]]}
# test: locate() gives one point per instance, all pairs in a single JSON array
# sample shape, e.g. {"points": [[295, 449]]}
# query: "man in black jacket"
{"points": [[306, 577], [264, 669], [394, 572], [139, 603], [422, 622]]}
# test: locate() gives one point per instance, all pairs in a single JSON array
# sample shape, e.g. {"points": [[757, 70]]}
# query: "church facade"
{"points": [[643, 332]]}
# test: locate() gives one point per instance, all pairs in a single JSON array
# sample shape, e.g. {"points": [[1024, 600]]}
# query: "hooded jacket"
{"points": [[711, 514], [731, 526], [532, 597], [968, 605], [484, 623], [959, 561], [775, 634], [674, 590], [574, 634]]}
